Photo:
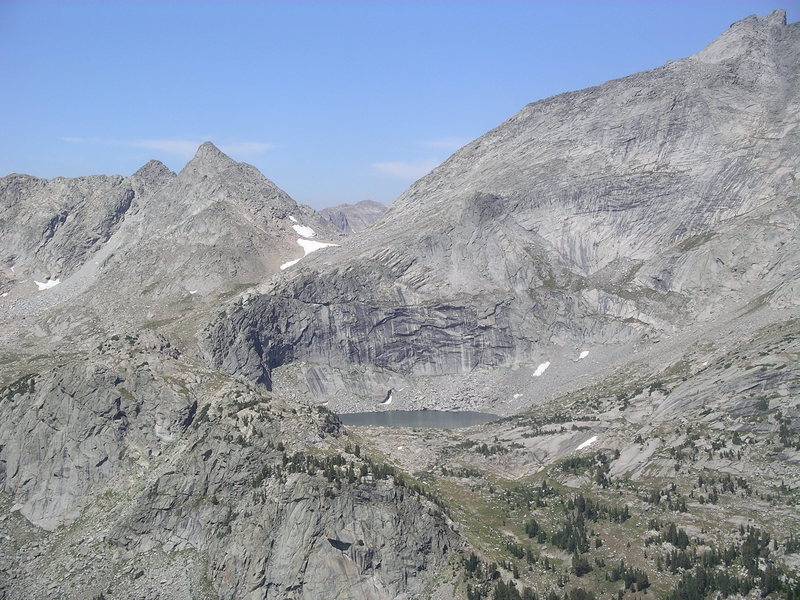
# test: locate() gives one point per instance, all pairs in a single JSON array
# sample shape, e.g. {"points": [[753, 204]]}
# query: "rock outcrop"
{"points": [[149, 455]]}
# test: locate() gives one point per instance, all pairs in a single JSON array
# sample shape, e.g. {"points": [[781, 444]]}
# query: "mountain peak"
{"points": [[745, 37], [776, 17], [209, 158], [209, 152]]}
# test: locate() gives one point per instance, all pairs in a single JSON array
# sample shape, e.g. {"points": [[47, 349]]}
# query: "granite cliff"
{"points": [[136, 466]]}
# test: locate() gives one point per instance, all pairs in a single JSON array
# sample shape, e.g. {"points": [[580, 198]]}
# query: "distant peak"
{"points": [[776, 17], [154, 170]]}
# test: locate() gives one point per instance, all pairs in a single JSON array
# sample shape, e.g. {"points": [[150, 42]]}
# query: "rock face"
{"points": [[595, 217], [148, 455], [52, 227], [352, 218]]}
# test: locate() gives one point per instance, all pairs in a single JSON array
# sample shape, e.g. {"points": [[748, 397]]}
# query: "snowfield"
{"points": [[308, 246], [47, 284], [541, 369], [304, 231]]}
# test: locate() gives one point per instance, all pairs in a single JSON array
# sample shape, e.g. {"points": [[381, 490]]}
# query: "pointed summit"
{"points": [[209, 158], [208, 152], [154, 170], [749, 36]]}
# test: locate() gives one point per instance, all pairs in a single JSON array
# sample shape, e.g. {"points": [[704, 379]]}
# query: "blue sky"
{"points": [[334, 101]]}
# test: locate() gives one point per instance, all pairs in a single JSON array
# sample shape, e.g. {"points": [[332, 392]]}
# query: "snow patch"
{"points": [[192, 292], [292, 219], [517, 396], [12, 269], [583, 354], [304, 231], [308, 246], [541, 369], [311, 246], [587, 443], [286, 265], [388, 399], [47, 284], [4, 295]]}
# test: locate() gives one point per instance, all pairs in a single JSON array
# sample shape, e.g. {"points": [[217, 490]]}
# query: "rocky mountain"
{"points": [[153, 245], [593, 219], [352, 218], [107, 427], [614, 270]]}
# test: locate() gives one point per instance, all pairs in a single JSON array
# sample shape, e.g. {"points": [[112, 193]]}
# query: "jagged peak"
{"points": [[744, 35]]}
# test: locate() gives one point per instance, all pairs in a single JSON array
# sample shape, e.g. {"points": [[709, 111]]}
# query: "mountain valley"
{"points": [[612, 272]]}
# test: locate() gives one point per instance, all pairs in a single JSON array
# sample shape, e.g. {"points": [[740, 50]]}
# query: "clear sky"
{"points": [[334, 101]]}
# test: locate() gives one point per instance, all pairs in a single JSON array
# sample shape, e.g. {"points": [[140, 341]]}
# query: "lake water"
{"points": [[442, 419]]}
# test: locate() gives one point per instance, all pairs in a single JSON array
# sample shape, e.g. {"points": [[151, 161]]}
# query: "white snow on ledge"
{"points": [[286, 265], [541, 369], [311, 246], [304, 231], [587, 443], [47, 284], [292, 219], [308, 246], [583, 354]]}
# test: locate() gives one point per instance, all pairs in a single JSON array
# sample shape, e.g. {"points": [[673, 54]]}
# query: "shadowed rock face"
{"points": [[353, 218], [593, 217]]}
